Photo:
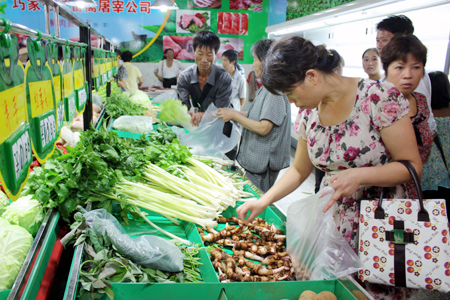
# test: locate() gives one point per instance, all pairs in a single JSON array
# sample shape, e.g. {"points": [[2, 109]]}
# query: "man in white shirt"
{"points": [[134, 73], [239, 89], [386, 30]]}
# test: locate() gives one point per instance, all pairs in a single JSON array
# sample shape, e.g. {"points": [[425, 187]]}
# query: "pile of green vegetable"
{"points": [[104, 264], [19, 222], [173, 111], [120, 105]]}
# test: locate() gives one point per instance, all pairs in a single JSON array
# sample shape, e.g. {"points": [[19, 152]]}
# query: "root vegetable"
{"points": [[325, 295], [308, 295]]}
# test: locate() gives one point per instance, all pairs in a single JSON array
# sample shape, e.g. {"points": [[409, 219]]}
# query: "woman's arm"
{"points": [[401, 143], [159, 77], [262, 127], [122, 83], [291, 180]]}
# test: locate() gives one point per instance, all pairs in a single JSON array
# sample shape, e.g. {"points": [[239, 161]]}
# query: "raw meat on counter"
{"points": [[232, 23]]}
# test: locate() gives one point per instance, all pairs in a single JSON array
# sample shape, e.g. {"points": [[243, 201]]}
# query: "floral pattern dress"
{"points": [[355, 143], [424, 136]]}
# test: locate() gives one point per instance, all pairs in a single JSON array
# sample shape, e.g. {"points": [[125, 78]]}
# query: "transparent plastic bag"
{"points": [[208, 139], [317, 249], [146, 250], [165, 96], [136, 124]]}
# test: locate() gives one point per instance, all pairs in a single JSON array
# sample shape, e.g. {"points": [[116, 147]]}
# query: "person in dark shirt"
{"points": [[205, 82]]}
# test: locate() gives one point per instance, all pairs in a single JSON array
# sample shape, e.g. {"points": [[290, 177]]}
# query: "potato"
{"points": [[308, 295], [96, 108], [325, 295]]}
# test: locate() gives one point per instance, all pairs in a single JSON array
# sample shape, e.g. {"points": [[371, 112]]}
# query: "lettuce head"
{"points": [[15, 242], [4, 202], [25, 212]]}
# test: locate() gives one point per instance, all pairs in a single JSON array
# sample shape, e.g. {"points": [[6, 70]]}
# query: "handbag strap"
{"points": [[423, 214]]}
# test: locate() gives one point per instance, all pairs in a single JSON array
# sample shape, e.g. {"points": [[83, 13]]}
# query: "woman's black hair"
{"points": [[206, 39], [396, 24], [261, 48], [232, 55], [127, 56], [371, 49], [440, 90], [290, 58], [165, 52], [399, 47]]}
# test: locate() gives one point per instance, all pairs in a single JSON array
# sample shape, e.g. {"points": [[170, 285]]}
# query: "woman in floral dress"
{"points": [[351, 128], [404, 59]]}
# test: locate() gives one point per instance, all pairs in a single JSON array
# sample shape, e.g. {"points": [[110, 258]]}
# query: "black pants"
{"points": [[168, 82]]}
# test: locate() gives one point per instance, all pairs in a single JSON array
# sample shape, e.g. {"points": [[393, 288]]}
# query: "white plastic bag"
{"points": [[136, 124], [208, 138], [317, 249], [165, 96], [147, 250]]}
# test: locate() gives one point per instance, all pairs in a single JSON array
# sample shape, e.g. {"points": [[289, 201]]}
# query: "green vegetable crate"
{"points": [[30, 276], [211, 288]]}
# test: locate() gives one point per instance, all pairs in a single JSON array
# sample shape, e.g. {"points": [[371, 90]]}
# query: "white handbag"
{"points": [[404, 242]]}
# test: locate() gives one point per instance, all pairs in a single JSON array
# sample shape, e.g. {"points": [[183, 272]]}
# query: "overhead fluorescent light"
{"points": [[81, 3], [164, 5], [363, 10]]}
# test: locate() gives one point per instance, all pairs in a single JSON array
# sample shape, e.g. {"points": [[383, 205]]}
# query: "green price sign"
{"points": [[79, 81], [15, 146], [55, 67], [68, 85], [42, 109]]}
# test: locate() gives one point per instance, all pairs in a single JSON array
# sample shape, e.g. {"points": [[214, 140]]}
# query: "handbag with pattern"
{"points": [[405, 243]]}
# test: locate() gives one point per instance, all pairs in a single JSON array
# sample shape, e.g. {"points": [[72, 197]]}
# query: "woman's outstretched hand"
{"points": [[255, 207]]}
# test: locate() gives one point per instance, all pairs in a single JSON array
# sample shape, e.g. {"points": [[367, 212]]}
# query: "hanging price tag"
{"points": [[53, 62], [15, 146], [68, 86], [41, 102], [80, 92]]}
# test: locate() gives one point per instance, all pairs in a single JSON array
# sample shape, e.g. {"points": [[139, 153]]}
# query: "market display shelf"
{"points": [[210, 288], [31, 274]]}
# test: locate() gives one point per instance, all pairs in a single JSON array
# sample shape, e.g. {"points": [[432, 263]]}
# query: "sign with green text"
{"points": [[79, 81], [15, 147], [55, 67], [41, 101], [68, 85]]}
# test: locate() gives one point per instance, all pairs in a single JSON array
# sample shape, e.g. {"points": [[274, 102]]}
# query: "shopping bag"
{"points": [[405, 243], [317, 249]]}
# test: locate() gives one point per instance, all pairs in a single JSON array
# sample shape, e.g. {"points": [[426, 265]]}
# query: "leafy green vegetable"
{"points": [[104, 264], [140, 98], [120, 105], [4, 202], [25, 212], [15, 242], [173, 111], [95, 165]]}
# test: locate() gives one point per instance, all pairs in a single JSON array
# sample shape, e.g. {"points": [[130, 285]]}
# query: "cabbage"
{"points": [[140, 98], [25, 212], [4, 202], [173, 111], [15, 242]]}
